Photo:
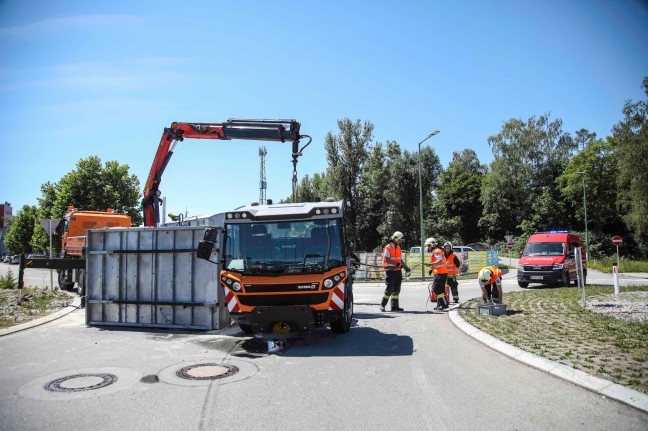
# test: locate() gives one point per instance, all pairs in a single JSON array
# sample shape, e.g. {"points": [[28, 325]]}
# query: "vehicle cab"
{"points": [[549, 258]]}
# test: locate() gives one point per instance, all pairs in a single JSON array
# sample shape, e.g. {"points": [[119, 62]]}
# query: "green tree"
{"points": [[632, 136], [528, 157], [20, 232], [459, 201], [91, 187], [373, 184], [347, 153]]}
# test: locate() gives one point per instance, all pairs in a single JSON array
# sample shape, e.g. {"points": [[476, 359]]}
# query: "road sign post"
{"points": [[50, 226], [509, 245], [617, 240]]}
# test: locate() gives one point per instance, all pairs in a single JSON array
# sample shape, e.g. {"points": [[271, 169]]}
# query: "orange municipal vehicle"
{"points": [[70, 264], [285, 267]]}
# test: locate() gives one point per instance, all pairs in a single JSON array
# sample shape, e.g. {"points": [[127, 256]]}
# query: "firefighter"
{"points": [[428, 245], [452, 264], [438, 264], [393, 264], [490, 281]]}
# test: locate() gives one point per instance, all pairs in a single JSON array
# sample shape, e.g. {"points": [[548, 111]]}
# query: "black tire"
{"points": [[343, 324], [81, 282], [246, 328], [565, 279], [523, 284], [62, 280]]}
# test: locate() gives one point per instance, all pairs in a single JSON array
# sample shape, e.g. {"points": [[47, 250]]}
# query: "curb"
{"points": [[75, 305], [606, 388]]}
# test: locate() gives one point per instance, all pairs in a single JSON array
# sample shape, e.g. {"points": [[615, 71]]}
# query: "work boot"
{"points": [[395, 307], [455, 300], [382, 308], [383, 303]]}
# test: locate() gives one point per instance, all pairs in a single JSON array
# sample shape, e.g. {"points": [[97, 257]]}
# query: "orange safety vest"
{"points": [[438, 261], [496, 273], [395, 255], [450, 265]]}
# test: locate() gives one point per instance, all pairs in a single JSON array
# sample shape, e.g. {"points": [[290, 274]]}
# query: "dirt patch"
{"points": [[32, 304]]}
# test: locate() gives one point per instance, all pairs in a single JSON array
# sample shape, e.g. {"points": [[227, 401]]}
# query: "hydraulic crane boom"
{"points": [[258, 130]]}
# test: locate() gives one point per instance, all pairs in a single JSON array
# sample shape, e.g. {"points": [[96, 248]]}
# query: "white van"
{"points": [[462, 248]]}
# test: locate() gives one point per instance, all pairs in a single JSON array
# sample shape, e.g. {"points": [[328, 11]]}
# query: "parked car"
{"points": [[6, 259], [462, 248], [15, 259]]}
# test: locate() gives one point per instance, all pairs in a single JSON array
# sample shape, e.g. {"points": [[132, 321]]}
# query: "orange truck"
{"points": [[285, 267], [70, 264]]}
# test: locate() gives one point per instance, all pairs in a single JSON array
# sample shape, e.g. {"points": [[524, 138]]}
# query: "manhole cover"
{"points": [[207, 371], [81, 382]]}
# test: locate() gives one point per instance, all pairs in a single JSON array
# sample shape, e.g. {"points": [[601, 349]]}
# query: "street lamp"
{"points": [[421, 201], [585, 208]]}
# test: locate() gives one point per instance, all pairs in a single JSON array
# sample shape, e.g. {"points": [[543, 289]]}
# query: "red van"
{"points": [[548, 258]]}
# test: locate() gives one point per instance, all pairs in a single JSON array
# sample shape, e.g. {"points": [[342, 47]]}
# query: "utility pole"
{"points": [[263, 185]]}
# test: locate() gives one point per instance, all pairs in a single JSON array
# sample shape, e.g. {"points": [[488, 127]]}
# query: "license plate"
{"points": [[536, 277]]}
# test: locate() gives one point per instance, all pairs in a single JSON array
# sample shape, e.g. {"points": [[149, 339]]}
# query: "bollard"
{"points": [[615, 273]]}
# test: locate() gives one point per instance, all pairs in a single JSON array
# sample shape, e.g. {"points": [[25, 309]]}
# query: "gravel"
{"points": [[628, 306]]}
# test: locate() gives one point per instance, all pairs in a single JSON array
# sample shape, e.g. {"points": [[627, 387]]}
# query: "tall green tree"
{"points": [[347, 153], [373, 183], [528, 157], [459, 201], [92, 186], [19, 234], [632, 136]]}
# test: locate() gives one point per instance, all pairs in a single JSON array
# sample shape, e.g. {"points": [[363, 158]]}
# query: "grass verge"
{"points": [[551, 323], [34, 303]]}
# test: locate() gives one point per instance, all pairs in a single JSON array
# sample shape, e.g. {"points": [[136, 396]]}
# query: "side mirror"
{"points": [[520, 255], [570, 253], [206, 246]]}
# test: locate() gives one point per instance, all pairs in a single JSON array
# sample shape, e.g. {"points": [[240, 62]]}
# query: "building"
{"points": [[5, 213]]}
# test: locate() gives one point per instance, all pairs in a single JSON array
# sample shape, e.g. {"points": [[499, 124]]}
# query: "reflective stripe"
{"points": [[394, 254], [450, 265]]}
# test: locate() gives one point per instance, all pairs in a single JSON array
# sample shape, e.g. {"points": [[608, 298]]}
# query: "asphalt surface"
{"points": [[409, 370]]}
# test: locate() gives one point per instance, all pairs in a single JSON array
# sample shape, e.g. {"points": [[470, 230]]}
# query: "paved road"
{"points": [[411, 370], [32, 277]]}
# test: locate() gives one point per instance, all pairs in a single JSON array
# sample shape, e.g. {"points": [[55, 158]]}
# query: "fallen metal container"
{"points": [[151, 277]]}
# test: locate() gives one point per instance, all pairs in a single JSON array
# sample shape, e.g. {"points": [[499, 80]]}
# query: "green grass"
{"points": [[551, 323], [605, 265]]}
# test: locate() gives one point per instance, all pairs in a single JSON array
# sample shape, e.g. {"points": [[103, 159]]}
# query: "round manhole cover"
{"points": [[207, 371], [81, 382]]}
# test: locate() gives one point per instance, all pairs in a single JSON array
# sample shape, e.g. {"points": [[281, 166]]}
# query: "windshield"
{"points": [[544, 249], [275, 248]]}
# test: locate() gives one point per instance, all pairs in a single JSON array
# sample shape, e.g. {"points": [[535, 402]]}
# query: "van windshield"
{"points": [[544, 249], [276, 248]]}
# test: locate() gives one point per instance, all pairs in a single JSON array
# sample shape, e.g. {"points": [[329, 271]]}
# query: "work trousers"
{"points": [[393, 280], [492, 293], [439, 289], [454, 287]]}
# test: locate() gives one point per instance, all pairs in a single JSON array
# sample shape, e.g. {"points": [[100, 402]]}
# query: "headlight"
{"points": [[328, 283], [558, 266], [236, 286], [520, 267]]}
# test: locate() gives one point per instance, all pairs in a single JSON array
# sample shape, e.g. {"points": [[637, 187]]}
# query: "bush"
{"points": [[8, 281]]}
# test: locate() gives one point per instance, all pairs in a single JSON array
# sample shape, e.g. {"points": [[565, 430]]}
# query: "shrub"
{"points": [[8, 281]]}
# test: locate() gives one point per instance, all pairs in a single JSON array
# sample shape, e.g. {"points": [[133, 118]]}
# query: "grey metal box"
{"points": [[151, 277], [491, 309]]}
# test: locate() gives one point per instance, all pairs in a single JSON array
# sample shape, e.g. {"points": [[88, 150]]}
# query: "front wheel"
{"points": [[64, 281], [565, 279], [523, 284], [343, 324]]}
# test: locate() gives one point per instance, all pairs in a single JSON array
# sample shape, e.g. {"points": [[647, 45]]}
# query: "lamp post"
{"points": [[421, 201], [585, 209]]}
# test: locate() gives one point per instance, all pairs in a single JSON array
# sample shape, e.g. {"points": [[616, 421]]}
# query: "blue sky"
{"points": [[82, 78]]}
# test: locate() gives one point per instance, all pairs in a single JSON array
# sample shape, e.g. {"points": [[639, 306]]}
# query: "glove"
{"points": [[400, 265], [408, 269], [430, 272]]}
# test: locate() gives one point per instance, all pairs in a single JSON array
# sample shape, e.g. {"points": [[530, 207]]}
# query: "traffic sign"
{"points": [[49, 225], [509, 246], [617, 240]]}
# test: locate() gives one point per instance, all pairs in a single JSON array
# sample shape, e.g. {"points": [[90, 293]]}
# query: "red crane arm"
{"points": [[264, 130]]}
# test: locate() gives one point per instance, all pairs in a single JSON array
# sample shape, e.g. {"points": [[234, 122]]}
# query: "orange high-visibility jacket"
{"points": [[450, 264], [394, 254], [438, 261]]}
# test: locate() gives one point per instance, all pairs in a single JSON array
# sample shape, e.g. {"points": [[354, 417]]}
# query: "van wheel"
{"points": [[565, 279], [523, 284], [246, 328], [343, 324]]}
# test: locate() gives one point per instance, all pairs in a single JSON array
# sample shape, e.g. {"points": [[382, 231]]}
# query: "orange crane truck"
{"points": [[70, 264]]}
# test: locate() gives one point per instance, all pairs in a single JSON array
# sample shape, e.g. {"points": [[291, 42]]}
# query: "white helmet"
{"points": [[430, 241], [447, 243], [398, 235], [485, 275]]}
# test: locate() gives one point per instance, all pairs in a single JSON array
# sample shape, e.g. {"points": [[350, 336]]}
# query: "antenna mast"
{"points": [[263, 184]]}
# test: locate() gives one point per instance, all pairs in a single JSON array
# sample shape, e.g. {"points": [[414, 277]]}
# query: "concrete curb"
{"points": [[75, 305], [606, 388]]}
